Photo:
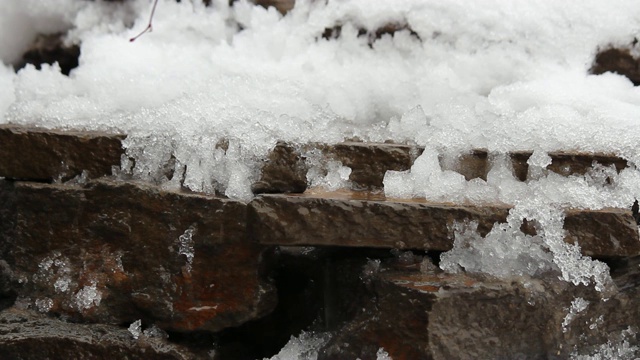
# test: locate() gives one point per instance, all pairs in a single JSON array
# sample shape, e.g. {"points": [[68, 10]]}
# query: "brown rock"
{"points": [[284, 171], [117, 252], [286, 167], [361, 220], [619, 61], [370, 162], [454, 316], [565, 163], [27, 335], [37, 154], [368, 220], [49, 49]]}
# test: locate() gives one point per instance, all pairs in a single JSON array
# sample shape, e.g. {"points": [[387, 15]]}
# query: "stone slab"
{"points": [[360, 219], [46, 155], [27, 335], [285, 169], [434, 315], [182, 261]]}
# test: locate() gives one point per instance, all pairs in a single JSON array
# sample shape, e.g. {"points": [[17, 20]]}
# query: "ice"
{"points": [[617, 348], [186, 243], [382, 355], [513, 78], [507, 252], [44, 305], [303, 347], [578, 305], [136, 329], [88, 297]]}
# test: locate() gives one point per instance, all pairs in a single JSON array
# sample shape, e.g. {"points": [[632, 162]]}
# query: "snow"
{"points": [[513, 77], [303, 347], [135, 329], [185, 246], [212, 89], [578, 305]]}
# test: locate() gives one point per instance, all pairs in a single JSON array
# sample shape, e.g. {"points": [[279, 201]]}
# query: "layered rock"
{"points": [[28, 335], [116, 252], [433, 315], [46, 155], [370, 220]]}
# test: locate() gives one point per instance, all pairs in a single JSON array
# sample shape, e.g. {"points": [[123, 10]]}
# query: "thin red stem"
{"points": [[149, 27]]}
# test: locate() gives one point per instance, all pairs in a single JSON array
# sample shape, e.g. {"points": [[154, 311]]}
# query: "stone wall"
{"points": [[97, 265]]}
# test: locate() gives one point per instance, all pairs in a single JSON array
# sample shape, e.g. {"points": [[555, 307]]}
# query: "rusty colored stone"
{"points": [[434, 315], [368, 220], [25, 334], [284, 171], [46, 155], [182, 261]]}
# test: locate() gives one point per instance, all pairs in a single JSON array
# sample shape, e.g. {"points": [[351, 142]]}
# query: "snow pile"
{"points": [[492, 74]]}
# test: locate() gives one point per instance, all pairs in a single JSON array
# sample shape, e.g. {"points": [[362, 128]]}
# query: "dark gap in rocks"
{"points": [[319, 289], [619, 61], [49, 49], [435, 257]]}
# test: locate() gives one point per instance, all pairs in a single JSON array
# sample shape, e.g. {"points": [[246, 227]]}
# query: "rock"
{"points": [[368, 220], [49, 49], [565, 163], [286, 167], [283, 6], [618, 61], [284, 172], [27, 335], [116, 252], [370, 162], [434, 315], [46, 155]]}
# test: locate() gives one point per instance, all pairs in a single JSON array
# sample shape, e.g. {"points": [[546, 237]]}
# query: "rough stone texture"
{"points": [[366, 220], [433, 315], [132, 245], [619, 61], [27, 335], [369, 163], [283, 172], [565, 163], [37, 154], [286, 167], [603, 233]]}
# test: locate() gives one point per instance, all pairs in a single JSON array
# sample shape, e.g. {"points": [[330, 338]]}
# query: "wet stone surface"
{"points": [[116, 252]]}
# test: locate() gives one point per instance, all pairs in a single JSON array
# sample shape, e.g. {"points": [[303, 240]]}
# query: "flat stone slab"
{"points": [[25, 334], [287, 165], [115, 252], [39, 154], [46, 155], [434, 315], [359, 219]]}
